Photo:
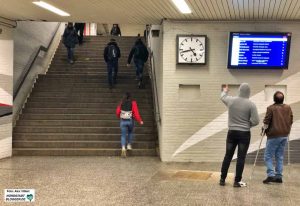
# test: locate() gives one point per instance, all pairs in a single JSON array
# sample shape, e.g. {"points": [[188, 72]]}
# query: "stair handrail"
{"points": [[31, 62], [152, 76], [7, 22]]}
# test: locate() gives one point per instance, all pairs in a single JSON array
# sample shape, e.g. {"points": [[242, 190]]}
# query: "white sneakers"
{"points": [[124, 152], [129, 147]]}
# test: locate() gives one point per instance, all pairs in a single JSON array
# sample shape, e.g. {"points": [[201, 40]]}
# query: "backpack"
{"points": [[141, 52], [126, 110], [112, 52]]}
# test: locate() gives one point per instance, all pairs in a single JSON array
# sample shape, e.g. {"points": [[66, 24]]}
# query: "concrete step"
{"points": [[142, 106], [79, 137], [87, 94], [75, 123], [61, 129], [51, 116], [80, 144], [114, 101], [78, 111], [76, 88], [97, 84], [79, 152]]}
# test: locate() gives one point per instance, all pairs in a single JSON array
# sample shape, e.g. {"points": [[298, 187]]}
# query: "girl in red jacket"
{"points": [[127, 111]]}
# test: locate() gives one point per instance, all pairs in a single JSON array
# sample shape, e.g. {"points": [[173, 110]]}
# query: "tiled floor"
{"points": [[137, 181]]}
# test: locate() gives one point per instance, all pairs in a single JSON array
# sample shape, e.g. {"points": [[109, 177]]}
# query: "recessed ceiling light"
{"points": [[182, 6], [51, 8]]}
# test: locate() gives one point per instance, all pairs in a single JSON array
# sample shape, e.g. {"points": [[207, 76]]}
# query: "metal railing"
{"points": [[10, 23], [152, 75], [31, 62]]}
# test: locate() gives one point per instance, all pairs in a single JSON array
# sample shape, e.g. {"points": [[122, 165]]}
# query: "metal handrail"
{"points": [[154, 88], [30, 63], [152, 76], [9, 25]]}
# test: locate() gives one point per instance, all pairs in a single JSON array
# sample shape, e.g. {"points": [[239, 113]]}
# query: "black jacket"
{"points": [[105, 55], [143, 56], [79, 26], [115, 31], [70, 38]]}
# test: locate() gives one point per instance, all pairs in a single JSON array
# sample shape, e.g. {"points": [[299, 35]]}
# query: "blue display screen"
{"points": [[259, 50]]}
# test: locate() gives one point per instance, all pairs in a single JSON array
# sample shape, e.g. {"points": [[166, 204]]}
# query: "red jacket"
{"points": [[135, 111]]}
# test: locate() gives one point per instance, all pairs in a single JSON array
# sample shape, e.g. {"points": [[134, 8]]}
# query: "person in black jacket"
{"points": [[140, 53], [80, 27], [115, 30], [111, 56], [70, 39]]}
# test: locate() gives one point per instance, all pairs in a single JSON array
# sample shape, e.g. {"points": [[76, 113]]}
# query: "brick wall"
{"points": [[183, 117]]}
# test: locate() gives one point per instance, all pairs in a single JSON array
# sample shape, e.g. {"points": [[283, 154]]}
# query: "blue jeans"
{"points": [[70, 53], [126, 127], [275, 147], [139, 67], [112, 67]]}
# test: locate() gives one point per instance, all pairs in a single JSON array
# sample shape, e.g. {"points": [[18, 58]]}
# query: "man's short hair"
{"points": [[278, 97], [112, 40]]}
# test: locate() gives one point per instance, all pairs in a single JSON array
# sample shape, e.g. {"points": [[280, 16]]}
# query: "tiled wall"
{"points": [[195, 129]]}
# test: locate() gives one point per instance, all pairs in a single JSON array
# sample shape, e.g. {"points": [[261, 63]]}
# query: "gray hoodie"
{"points": [[242, 113]]}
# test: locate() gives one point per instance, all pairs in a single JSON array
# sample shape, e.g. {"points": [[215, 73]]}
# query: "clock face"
{"points": [[191, 49]]}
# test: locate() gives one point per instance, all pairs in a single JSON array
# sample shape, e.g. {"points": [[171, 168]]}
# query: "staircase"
{"points": [[71, 110]]}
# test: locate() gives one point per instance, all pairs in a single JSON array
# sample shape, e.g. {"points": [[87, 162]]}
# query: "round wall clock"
{"points": [[191, 49]]}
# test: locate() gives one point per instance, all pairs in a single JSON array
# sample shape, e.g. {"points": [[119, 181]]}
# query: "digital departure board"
{"points": [[257, 50]]}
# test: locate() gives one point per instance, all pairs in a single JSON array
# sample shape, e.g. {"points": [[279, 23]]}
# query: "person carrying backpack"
{"points": [[127, 111], [115, 30], [140, 55], [111, 55], [70, 39]]}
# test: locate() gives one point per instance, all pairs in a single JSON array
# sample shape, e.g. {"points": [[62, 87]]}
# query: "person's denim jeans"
{"points": [[126, 128], [112, 67], [234, 139], [70, 53], [275, 147], [139, 68]]}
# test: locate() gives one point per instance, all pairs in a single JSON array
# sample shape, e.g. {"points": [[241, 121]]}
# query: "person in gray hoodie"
{"points": [[242, 115]]}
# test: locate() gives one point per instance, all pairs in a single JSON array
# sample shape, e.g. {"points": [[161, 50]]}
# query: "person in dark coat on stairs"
{"points": [[115, 30], [80, 27], [140, 54], [70, 39], [127, 111], [112, 54]]}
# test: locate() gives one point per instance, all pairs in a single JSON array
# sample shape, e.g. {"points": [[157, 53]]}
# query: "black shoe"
{"points": [[278, 179], [239, 184], [222, 182], [110, 86], [269, 179]]}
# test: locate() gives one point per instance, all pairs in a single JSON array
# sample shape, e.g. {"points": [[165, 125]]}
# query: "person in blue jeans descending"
{"points": [[127, 111], [111, 56], [277, 126], [140, 55]]}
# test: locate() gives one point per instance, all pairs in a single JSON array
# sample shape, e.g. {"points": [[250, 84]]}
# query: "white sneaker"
{"points": [[129, 147], [123, 152]]}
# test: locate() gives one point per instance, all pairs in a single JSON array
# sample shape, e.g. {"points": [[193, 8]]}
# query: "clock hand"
{"points": [[193, 51], [186, 51]]}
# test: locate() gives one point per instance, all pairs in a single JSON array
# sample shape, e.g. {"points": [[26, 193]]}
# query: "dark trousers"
{"points": [[70, 53], [242, 140], [112, 71], [139, 68], [80, 36]]}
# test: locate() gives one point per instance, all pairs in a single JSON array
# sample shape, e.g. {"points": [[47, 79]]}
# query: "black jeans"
{"points": [[112, 70], [242, 140], [80, 36]]}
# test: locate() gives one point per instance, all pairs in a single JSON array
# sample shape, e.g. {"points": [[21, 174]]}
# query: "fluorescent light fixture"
{"points": [[51, 8], [182, 6]]}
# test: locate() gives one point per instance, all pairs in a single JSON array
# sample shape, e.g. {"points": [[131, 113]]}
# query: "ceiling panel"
{"points": [[153, 11]]}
